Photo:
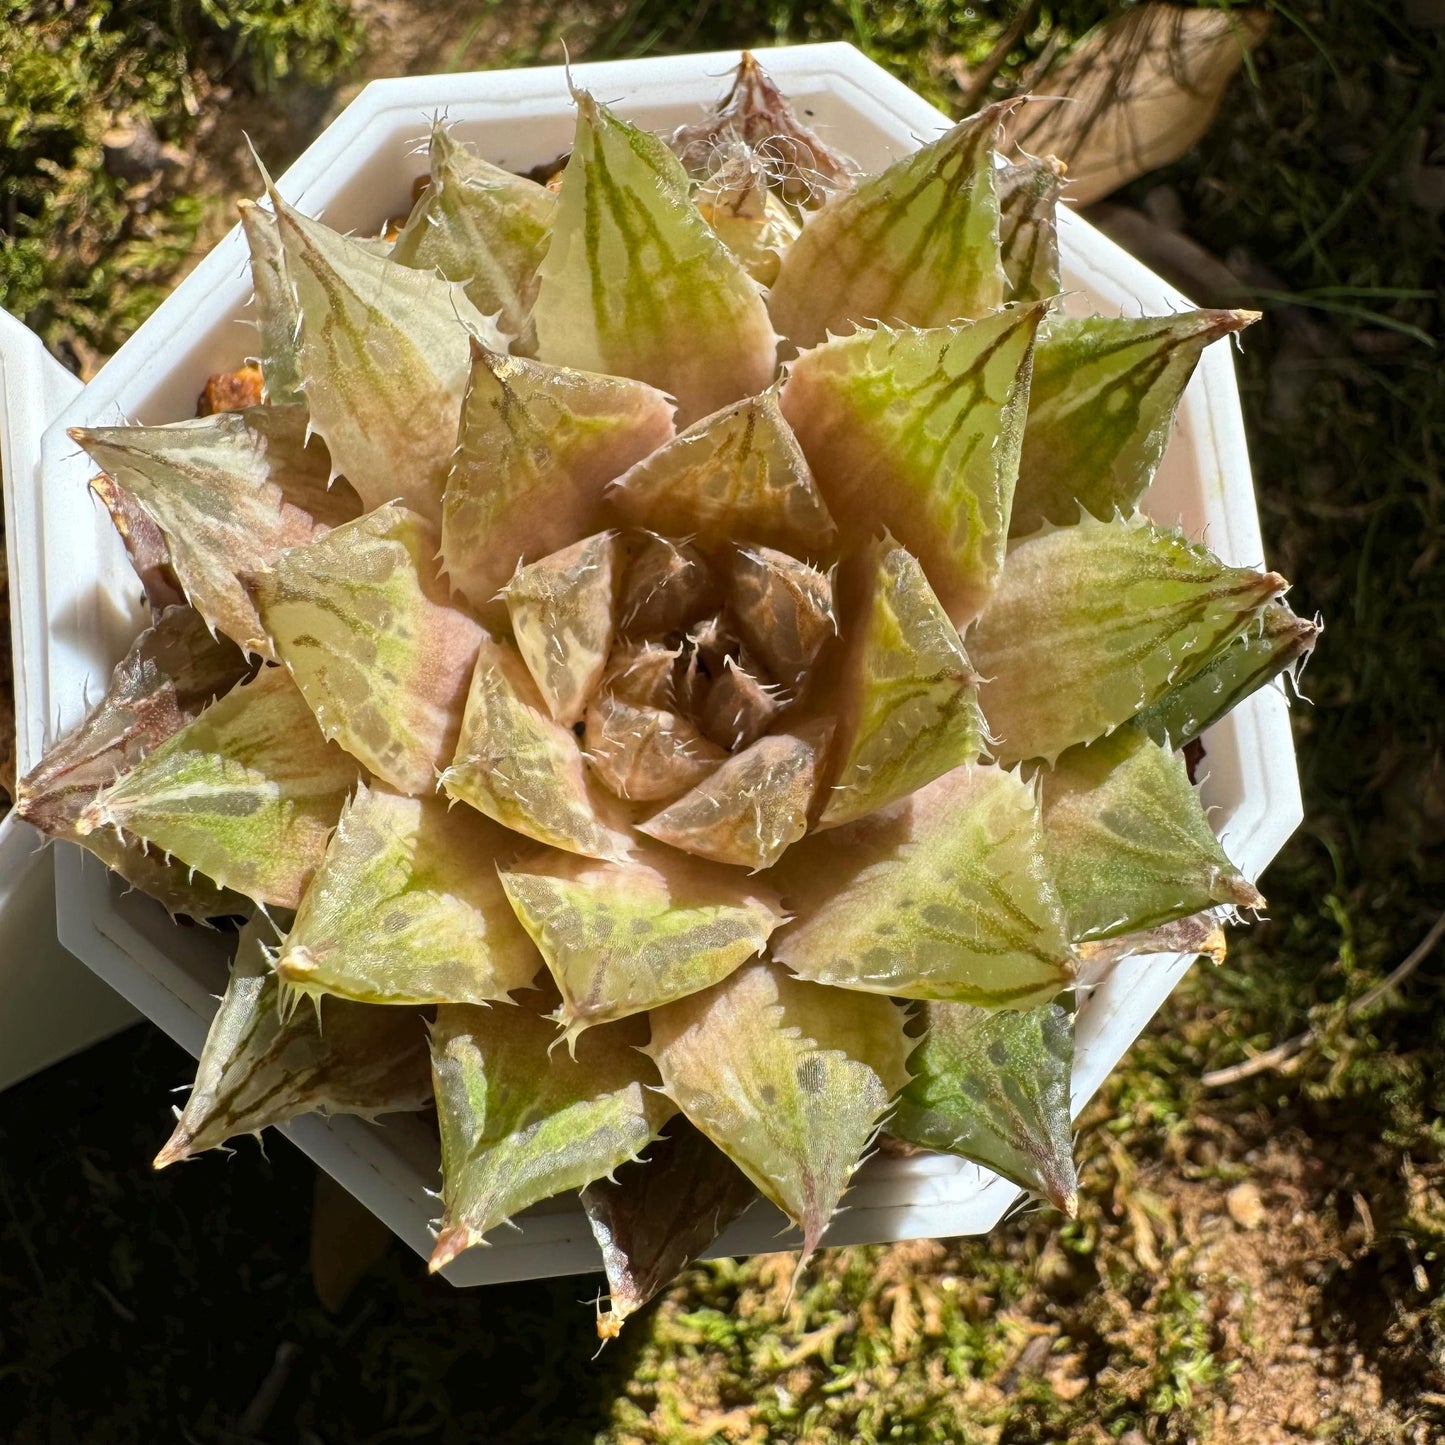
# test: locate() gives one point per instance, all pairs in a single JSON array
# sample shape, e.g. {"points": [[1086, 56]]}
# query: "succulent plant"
{"points": [[724, 759]]}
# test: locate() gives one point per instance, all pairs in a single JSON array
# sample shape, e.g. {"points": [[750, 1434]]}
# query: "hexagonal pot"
{"points": [[80, 607]]}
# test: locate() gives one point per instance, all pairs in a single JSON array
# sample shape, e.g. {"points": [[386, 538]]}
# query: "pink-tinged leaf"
{"points": [[788, 1079], [516, 765], [666, 585], [483, 227], [406, 908], [907, 698], [646, 754], [364, 624], [918, 244], [247, 793], [740, 707], [278, 313], [736, 476], [144, 543], [752, 808], [641, 673], [521, 1120], [784, 611], [943, 895], [258, 1068], [173, 671], [622, 938], [538, 446], [229, 493], [750, 219], [1101, 409], [1128, 842], [1091, 623], [993, 1086], [919, 432], [385, 354], [1028, 193], [636, 284], [562, 618], [661, 1213]]}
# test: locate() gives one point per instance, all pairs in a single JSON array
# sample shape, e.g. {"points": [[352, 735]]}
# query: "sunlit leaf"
{"points": [[784, 611], [1091, 623], [943, 895], [750, 218], [522, 1121], [406, 908], [993, 1086], [919, 432], [1028, 193], [247, 793], [258, 1069], [144, 543], [538, 445], [278, 314], [646, 754], [364, 625], [788, 1079], [636, 284]]}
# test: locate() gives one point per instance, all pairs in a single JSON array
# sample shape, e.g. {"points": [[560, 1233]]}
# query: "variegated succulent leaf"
{"points": [[735, 198], [1101, 409], [483, 227], [385, 355], [518, 766], [366, 627], [661, 1213], [521, 1120], [737, 476], [907, 698], [229, 492], [917, 244], [246, 793], [945, 894], [1028, 193], [562, 609], [753, 807], [1091, 623], [622, 938], [278, 313], [646, 754], [406, 908], [144, 543], [1277, 643], [667, 583], [173, 670], [919, 432], [788, 1079], [1200, 935], [537, 446], [992, 1085], [636, 284], [1127, 839], [740, 706], [642, 673], [260, 1067], [784, 611]]}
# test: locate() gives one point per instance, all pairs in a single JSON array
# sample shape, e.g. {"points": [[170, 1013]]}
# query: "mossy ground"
{"points": [[1252, 1263]]}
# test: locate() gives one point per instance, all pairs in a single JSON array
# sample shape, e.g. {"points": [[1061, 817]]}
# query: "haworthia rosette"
{"points": [[943, 895], [1091, 623]]}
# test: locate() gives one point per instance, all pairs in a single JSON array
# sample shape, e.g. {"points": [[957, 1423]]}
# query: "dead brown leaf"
{"points": [[1136, 95]]}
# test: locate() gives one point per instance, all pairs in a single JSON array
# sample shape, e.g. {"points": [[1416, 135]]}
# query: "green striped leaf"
{"points": [[247, 793], [789, 1080], [736, 476], [1028, 193], [406, 908], [538, 445], [918, 244], [1091, 623], [1128, 842], [522, 1121], [993, 1086], [516, 765], [943, 895], [636, 284], [229, 493], [1105, 389], [258, 1068], [278, 314], [908, 699], [483, 227], [621, 938], [919, 432]]}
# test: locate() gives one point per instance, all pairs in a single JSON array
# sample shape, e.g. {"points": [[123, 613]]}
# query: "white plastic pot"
{"points": [[80, 606]]}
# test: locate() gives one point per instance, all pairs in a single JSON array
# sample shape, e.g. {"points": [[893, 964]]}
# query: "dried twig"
{"points": [[1283, 1053]]}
